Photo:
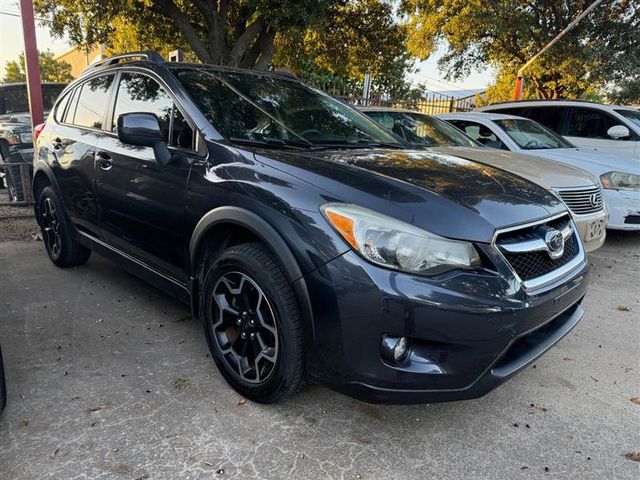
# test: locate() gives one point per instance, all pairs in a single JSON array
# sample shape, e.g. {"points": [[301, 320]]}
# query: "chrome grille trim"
{"points": [[578, 261], [582, 200]]}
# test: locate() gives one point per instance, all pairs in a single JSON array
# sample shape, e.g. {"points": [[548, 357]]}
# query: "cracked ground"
{"points": [[109, 378]]}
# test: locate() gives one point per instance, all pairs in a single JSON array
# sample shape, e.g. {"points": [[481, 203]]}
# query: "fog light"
{"points": [[394, 349]]}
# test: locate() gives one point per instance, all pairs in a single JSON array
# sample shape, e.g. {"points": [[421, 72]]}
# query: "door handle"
{"points": [[56, 143], [104, 160]]}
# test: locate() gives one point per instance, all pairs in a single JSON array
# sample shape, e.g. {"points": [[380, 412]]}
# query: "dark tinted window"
{"points": [[140, 93], [60, 109], [92, 102], [15, 99], [73, 104], [550, 117], [268, 108], [589, 123]]}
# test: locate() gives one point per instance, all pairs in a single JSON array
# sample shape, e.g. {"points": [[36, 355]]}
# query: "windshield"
{"points": [[277, 111], [14, 99], [632, 115], [530, 135], [421, 129]]}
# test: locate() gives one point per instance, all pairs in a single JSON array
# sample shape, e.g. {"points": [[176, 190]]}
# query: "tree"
{"points": [[227, 32], [355, 38], [51, 70], [506, 33]]}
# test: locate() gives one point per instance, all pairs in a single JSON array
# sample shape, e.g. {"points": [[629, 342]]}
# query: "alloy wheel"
{"points": [[244, 327], [51, 226]]}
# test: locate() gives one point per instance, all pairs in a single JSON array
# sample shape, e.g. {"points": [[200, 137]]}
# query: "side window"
{"points": [[142, 94], [589, 123], [61, 107], [73, 104], [480, 133], [550, 117], [92, 102], [181, 132]]}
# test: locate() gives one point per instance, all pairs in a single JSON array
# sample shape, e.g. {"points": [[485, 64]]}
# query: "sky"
{"points": [[11, 44]]}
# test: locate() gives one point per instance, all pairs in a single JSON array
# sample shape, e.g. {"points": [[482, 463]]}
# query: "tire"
{"points": [[247, 284], [3, 386], [14, 183], [57, 234]]}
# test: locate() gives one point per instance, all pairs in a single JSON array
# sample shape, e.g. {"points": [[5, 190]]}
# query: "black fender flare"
{"points": [[267, 234], [41, 167]]}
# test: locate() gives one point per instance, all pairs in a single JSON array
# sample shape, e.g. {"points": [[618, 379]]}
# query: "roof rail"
{"points": [[131, 56]]}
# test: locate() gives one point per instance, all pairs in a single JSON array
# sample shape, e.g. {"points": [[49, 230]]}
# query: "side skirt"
{"points": [[136, 267]]}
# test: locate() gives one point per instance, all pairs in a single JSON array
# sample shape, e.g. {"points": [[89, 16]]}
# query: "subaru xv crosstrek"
{"points": [[312, 245]]}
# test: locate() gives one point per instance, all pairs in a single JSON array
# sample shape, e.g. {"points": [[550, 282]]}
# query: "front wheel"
{"points": [[253, 324], [63, 249]]}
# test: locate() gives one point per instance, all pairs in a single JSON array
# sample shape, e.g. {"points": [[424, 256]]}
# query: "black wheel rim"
{"points": [[244, 327], [50, 226]]}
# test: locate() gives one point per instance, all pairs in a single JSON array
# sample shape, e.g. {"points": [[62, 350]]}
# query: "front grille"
{"points": [[582, 201], [528, 254], [535, 264]]}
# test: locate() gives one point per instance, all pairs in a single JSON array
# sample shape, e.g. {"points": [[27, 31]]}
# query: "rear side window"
{"points": [[550, 117], [61, 107], [92, 102], [589, 123]]}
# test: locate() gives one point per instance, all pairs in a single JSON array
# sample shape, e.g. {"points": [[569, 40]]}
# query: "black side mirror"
{"points": [[143, 130]]}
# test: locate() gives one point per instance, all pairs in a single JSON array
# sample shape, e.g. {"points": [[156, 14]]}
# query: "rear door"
{"points": [[142, 203], [72, 143], [587, 127]]}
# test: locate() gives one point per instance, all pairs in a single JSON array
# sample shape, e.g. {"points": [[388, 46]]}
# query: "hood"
{"points": [[445, 194], [544, 172], [596, 161]]}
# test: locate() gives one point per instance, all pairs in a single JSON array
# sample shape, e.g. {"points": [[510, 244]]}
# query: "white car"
{"points": [[573, 185], [608, 128], [618, 175]]}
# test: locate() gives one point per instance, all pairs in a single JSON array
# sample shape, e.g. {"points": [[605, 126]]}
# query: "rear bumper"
{"points": [[469, 331]]}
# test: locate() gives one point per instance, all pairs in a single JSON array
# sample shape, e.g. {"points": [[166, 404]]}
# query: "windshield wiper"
{"points": [[270, 143], [360, 143]]}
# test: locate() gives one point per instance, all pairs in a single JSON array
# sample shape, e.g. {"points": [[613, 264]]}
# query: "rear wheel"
{"points": [[253, 324], [62, 248]]}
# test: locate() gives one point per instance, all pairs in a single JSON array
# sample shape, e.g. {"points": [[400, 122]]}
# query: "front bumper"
{"points": [[624, 209], [470, 331], [582, 223]]}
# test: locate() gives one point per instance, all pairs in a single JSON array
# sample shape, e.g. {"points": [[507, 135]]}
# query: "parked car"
{"points": [[573, 185], [608, 128], [618, 175], [16, 137], [309, 242]]}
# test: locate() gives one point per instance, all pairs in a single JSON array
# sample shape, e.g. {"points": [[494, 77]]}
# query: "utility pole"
{"points": [[31, 61], [517, 95]]}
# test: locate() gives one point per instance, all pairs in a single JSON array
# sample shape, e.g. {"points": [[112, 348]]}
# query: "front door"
{"points": [[142, 203]]}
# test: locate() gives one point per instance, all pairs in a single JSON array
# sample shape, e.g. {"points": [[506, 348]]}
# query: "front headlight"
{"points": [[12, 138], [620, 181], [394, 244]]}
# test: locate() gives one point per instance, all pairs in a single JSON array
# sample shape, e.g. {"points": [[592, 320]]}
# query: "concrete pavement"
{"points": [[109, 378]]}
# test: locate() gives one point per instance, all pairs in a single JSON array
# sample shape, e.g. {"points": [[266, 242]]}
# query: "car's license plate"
{"points": [[595, 228], [26, 137]]}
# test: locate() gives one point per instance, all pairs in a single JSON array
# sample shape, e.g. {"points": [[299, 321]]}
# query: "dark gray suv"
{"points": [[311, 244]]}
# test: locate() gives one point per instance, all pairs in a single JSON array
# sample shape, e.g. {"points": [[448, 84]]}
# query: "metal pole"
{"points": [[31, 61], [578, 19]]}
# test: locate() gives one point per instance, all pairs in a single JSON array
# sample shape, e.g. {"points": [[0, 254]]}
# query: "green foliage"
{"points": [[355, 38], [506, 33], [51, 70], [228, 32]]}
